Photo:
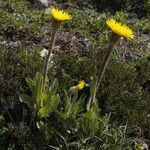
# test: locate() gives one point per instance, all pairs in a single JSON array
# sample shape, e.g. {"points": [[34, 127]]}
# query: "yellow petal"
{"points": [[119, 29], [60, 15]]}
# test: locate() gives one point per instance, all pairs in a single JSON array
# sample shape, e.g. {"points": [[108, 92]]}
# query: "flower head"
{"points": [[81, 85], [120, 29], [60, 15]]}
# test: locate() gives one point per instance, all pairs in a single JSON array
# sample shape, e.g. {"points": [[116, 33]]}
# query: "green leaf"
{"points": [[51, 106], [63, 116], [89, 102], [77, 108], [92, 114], [38, 95], [93, 90], [53, 87], [36, 86], [27, 100], [50, 91], [68, 103], [73, 102], [93, 86], [31, 84], [3, 130]]}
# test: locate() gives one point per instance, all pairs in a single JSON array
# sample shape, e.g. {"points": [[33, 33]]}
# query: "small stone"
{"points": [[41, 3], [43, 53]]}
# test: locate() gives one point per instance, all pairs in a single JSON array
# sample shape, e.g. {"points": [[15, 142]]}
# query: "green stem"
{"points": [[71, 107], [113, 41], [56, 26]]}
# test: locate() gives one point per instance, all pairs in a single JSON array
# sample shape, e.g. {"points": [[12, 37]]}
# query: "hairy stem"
{"points": [[113, 41], [47, 59]]}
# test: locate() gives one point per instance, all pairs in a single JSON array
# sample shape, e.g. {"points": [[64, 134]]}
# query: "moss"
{"points": [[86, 23], [20, 64], [18, 18], [71, 69], [124, 91], [119, 93]]}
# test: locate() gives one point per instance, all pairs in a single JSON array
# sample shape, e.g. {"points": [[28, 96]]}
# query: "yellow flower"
{"points": [[81, 85], [60, 15], [120, 29]]}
